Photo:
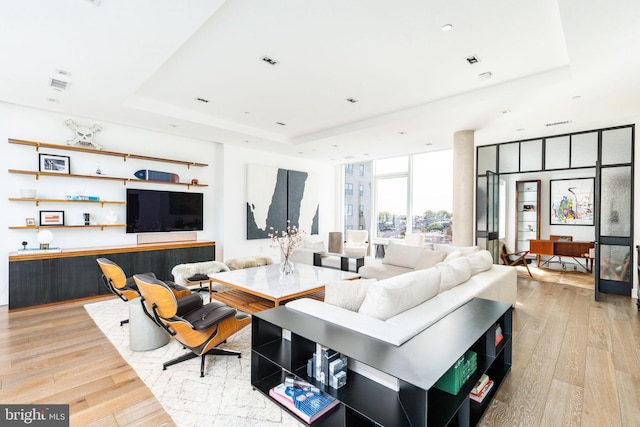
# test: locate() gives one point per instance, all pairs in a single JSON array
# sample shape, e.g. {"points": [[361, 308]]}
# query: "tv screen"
{"points": [[154, 211]]}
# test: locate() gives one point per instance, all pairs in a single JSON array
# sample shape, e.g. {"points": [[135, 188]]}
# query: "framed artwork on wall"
{"points": [[54, 163], [572, 201], [51, 218]]}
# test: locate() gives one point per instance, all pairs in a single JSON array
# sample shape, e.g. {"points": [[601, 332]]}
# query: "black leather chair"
{"points": [[200, 330]]}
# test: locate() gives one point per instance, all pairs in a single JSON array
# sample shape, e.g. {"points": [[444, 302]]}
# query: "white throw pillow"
{"points": [[402, 255], [453, 273], [429, 258], [392, 296], [480, 261], [466, 250], [453, 255], [313, 242], [347, 294]]}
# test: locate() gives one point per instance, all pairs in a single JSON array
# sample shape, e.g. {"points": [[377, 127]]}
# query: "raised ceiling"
{"points": [[154, 63]]}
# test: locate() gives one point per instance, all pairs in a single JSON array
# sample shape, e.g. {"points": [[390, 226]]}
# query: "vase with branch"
{"points": [[286, 241]]}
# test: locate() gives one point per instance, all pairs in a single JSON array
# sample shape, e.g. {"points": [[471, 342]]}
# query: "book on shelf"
{"points": [[302, 399], [479, 397], [484, 379], [499, 335], [328, 367]]}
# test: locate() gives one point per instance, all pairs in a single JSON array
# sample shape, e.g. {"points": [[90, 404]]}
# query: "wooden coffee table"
{"points": [[258, 288]]}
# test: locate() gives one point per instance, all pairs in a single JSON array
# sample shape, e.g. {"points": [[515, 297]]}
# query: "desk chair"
{"points": [[514, 258], [200, 330]]}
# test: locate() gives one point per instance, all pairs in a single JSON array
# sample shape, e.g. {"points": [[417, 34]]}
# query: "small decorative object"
{"points": [[84, 135], [99, 171], [24, 244], [112, 217], [286, 240], [54, 163], [194, 181], [45, 237], [31, 222], [150, 175], [530, 227], [87, 218], [51, 218], [28, 193]]}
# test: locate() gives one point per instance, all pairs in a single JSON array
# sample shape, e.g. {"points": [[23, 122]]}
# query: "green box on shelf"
{"points": [[453, 380]]}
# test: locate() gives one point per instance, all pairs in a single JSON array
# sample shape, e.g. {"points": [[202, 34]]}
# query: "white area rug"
{"points": [[224, 397]]}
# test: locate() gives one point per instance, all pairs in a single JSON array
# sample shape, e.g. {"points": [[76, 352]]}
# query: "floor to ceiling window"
{"points": [[406, 194]]}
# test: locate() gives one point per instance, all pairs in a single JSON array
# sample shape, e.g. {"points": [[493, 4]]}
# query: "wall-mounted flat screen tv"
{"points": [[156, 211]]}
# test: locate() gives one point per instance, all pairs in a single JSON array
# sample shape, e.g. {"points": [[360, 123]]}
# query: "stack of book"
{"points": [[303, 400], [481, 389]]}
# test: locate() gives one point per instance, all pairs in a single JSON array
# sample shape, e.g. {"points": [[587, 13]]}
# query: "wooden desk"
{"points": [[560, 248]]}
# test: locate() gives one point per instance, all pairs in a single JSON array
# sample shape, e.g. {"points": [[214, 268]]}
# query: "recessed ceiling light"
{"points": [[63, 72], [300, 152], [53, 100], [564, 122], [173, 125], [519, 129], [58, 84], [246, 141], [472, 59], [269, 60], [447, 27], [247, 112], [335, 145], [202, 100], [428, 143], [485, 76], [575, 98], [352, 100], [281, 124], [402, 132], [505, 111], [95, 2]]}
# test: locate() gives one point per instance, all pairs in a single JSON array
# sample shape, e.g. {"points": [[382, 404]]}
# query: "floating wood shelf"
{"points": [[38, 174], [37, 227], [38, 201], [124, 156]]}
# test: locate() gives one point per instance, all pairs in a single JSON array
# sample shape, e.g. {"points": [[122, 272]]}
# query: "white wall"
{"points": [[234, 218], [224, 201]]}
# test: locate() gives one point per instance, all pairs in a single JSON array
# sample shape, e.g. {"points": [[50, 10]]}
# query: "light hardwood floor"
{"points": [[576, 363]]}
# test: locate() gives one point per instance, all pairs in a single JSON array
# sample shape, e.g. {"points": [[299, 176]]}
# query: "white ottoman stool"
{"points": [[144, 333]]}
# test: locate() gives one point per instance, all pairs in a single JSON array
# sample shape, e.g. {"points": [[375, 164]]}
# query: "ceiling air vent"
{"points": [[58, 84], [472, 59], [269, 61], [558, 123]]}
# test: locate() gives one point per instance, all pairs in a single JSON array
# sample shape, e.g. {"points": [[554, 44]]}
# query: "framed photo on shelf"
{"points": [[31, 222], [572, 201], [54, 163], [51, 218]]}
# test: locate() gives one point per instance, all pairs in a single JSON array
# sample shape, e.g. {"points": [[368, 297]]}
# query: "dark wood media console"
{"points": [[416, 365], [44, 278]]}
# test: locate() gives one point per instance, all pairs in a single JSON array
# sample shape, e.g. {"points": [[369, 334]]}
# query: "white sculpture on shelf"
{"points": [[84, 135]]}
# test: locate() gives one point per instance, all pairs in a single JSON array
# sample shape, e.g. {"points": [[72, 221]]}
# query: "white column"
{"points": [[463, 185]]}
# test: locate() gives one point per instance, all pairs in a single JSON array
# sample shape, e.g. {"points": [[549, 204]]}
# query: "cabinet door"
{"points": [[527, 213], [32, 283]]}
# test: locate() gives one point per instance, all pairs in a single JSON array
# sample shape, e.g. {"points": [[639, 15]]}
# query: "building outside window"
{"points": [[348, 189], [348, 211], [362, 169], [348, 169], [361, 192]]}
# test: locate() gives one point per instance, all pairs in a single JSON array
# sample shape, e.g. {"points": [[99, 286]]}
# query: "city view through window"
{"points": [[388, 190]]}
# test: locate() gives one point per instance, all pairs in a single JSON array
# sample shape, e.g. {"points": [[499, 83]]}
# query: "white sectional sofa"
{"points": [[400, 258], [397, 308]]}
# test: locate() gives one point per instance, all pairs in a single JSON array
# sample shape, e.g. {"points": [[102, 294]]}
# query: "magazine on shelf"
{"points": [[480, 396], [303, 399]]}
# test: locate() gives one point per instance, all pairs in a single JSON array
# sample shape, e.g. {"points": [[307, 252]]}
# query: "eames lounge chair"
{"points": [[356, 242], [126, 289], [200, 330], [514, 258]]}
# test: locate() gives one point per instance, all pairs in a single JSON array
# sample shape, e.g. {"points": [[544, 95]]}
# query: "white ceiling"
{"points": [[145, 63]]}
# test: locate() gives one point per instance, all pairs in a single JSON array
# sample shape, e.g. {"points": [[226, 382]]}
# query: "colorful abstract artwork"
{"points": [[572, 201]]}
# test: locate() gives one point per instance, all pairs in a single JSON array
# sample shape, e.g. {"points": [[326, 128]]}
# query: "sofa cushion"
{"points": [[453, 273], [429, 258], [466, 250], [380, 271], [480, 261], [402, 255], [388, 297], [453, 255], [347, 294]]}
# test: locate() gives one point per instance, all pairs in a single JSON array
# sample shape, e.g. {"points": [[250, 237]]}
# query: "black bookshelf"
{"points": [[284, 339]]}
